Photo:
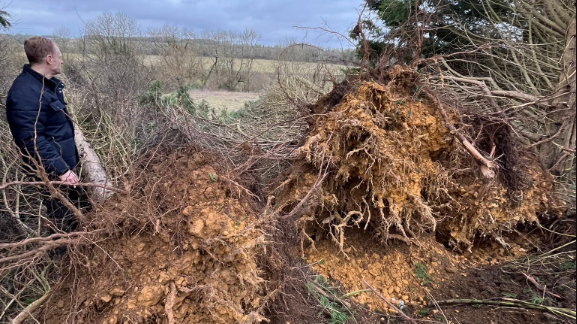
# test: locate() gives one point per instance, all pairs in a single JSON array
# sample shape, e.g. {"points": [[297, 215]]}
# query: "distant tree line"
{"points": [[125, 29]]}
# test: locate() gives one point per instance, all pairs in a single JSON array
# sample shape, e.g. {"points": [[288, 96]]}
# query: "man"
{"points": [[40, 123]]}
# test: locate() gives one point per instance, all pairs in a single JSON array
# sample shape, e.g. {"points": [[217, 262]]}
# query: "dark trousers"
{"points": [[63, 219]]}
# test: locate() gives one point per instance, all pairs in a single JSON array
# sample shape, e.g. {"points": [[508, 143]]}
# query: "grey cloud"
{"points": [[274, 20]]}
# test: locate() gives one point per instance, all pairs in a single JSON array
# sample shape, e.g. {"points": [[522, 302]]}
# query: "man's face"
{"points": [[55, 61]]}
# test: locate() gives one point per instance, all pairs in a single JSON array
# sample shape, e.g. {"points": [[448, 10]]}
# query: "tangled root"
{"points": [[394, 168]]}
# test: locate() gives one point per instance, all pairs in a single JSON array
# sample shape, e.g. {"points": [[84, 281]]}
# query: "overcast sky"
{"points": [[272, 19]]}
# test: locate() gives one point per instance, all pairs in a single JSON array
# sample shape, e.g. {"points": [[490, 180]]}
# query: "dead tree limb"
{"points": [[334, 299], [92, 169]]}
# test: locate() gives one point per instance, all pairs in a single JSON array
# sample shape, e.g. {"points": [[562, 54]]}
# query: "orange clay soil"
{"points": [[196, 262], [398, 271]]}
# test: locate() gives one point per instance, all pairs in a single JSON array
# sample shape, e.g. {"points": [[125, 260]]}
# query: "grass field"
{"points": [[218, 100], [260, 65]]}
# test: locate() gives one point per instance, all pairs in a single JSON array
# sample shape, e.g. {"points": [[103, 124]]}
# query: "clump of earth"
{"points": [[193, 261]]}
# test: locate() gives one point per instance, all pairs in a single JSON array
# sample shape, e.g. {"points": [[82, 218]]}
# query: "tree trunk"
{"points": [[92, 170], [556, 154]]}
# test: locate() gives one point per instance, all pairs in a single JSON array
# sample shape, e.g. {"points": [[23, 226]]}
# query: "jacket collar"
{"points": [[51, 83]]}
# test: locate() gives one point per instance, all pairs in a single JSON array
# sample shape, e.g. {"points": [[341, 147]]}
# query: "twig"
{"points": [[550, 138], [14, 298], [400, 312], [29, 309], [434, 302], [557, 249], [184, 114], [540, 287], [570, 150], [330, 297], [39, 251], [354, 293], [50, 238], [317, 183], [59, 183]]}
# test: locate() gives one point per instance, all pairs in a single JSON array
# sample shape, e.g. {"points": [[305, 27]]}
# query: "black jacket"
{"points": [[54, 128]]}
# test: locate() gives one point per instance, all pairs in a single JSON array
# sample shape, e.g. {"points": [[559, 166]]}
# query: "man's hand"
{"points": [[69, 178]]}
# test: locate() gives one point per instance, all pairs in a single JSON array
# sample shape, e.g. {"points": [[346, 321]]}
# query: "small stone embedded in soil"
{"points": [[150, 295], [451, 269], [106, 298], [196, 227], [187, 211], [117, 292]]}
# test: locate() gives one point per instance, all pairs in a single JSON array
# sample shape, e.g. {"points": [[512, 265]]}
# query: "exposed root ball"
{"points": [[198, 267], [392, 166]]}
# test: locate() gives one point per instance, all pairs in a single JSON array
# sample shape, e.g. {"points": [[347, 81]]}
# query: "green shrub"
{"points": [[153, 95], [421, 273]]}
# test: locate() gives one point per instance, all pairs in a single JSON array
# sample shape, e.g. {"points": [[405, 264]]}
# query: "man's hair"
{"points": [[37, 48]]}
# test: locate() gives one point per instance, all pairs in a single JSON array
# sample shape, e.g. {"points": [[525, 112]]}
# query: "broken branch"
{"points": [[487, 165]]}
